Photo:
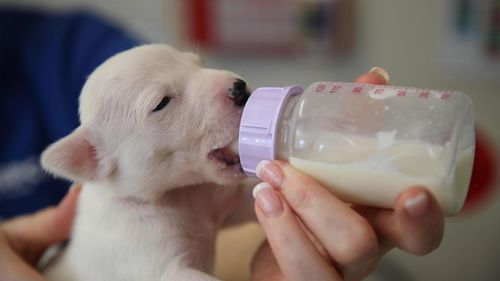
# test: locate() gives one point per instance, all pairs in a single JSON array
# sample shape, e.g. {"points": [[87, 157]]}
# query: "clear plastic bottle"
{"points": [[367, 143]]}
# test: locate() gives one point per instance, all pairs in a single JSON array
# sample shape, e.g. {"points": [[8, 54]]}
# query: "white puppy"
{"points": [[159, 178]]}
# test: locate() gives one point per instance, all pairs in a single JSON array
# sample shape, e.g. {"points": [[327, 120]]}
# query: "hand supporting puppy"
{"points": [[23, 240], [311, 234]]}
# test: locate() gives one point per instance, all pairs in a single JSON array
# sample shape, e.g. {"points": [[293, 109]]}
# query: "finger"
{"points": [[265, 266], [416, 225], [347, 237], [30, 235], [295, 253], [376, 75], [12, 267]]}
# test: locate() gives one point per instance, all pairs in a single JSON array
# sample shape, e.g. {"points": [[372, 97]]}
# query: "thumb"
{"points": [[29, 236]]}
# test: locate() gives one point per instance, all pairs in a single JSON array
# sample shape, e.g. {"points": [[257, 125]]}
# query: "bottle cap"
{"points": [[259, 124]]}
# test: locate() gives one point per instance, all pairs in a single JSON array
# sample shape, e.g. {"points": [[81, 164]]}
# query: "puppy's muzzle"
{"points": [[239, 93]]}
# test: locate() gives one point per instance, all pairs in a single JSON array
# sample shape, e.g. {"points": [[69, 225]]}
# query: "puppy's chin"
{"points": [[229, 179], [226, 174]]}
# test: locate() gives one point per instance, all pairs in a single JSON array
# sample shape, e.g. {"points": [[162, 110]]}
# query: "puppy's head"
{"points": [[153, 119]]}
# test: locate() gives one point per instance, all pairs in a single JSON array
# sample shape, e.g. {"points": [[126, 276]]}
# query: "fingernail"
{"points": [[267, 199], [417, 205], [270, 172], [382, 72]]}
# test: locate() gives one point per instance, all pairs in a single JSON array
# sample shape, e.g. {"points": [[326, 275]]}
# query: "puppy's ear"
{"points": [[78, 157]]}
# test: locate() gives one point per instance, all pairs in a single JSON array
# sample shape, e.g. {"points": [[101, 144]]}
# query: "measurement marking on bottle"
{"points": [[357, 90], [380, 91], [445, 95], [335, 88], [424, 95], [320, 88], [401, 93]]}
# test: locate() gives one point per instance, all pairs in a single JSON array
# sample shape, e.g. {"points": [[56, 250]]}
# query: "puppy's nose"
{"points": [[239, 92]]}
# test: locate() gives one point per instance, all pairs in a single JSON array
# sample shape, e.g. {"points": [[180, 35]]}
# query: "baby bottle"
{"points": [[366, 143]]}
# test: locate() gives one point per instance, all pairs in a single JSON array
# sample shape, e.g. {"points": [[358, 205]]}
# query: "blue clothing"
{"points": [[44, 61]]}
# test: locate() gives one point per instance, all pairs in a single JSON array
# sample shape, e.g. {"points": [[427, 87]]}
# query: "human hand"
{"points": [[313, 235], [24, 239]]}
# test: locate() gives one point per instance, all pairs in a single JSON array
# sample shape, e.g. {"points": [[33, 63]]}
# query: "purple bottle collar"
{"points": [[259, 124]]}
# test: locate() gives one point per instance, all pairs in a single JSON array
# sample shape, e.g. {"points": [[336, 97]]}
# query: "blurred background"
{"points": [[444, 44]]}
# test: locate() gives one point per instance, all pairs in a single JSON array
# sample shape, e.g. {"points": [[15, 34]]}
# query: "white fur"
{"points": [[152, 200]]}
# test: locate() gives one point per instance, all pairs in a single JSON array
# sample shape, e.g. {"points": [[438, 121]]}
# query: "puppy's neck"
{"points": [[196, 199]]}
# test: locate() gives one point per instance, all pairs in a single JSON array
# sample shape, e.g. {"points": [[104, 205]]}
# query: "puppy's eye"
{"points": [[164, 101]]}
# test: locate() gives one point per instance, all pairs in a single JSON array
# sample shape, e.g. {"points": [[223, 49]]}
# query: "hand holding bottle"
{"points": [[313, 234]]}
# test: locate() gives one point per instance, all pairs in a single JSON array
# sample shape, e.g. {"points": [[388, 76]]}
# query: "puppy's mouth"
{"points": [[225, 155]]}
